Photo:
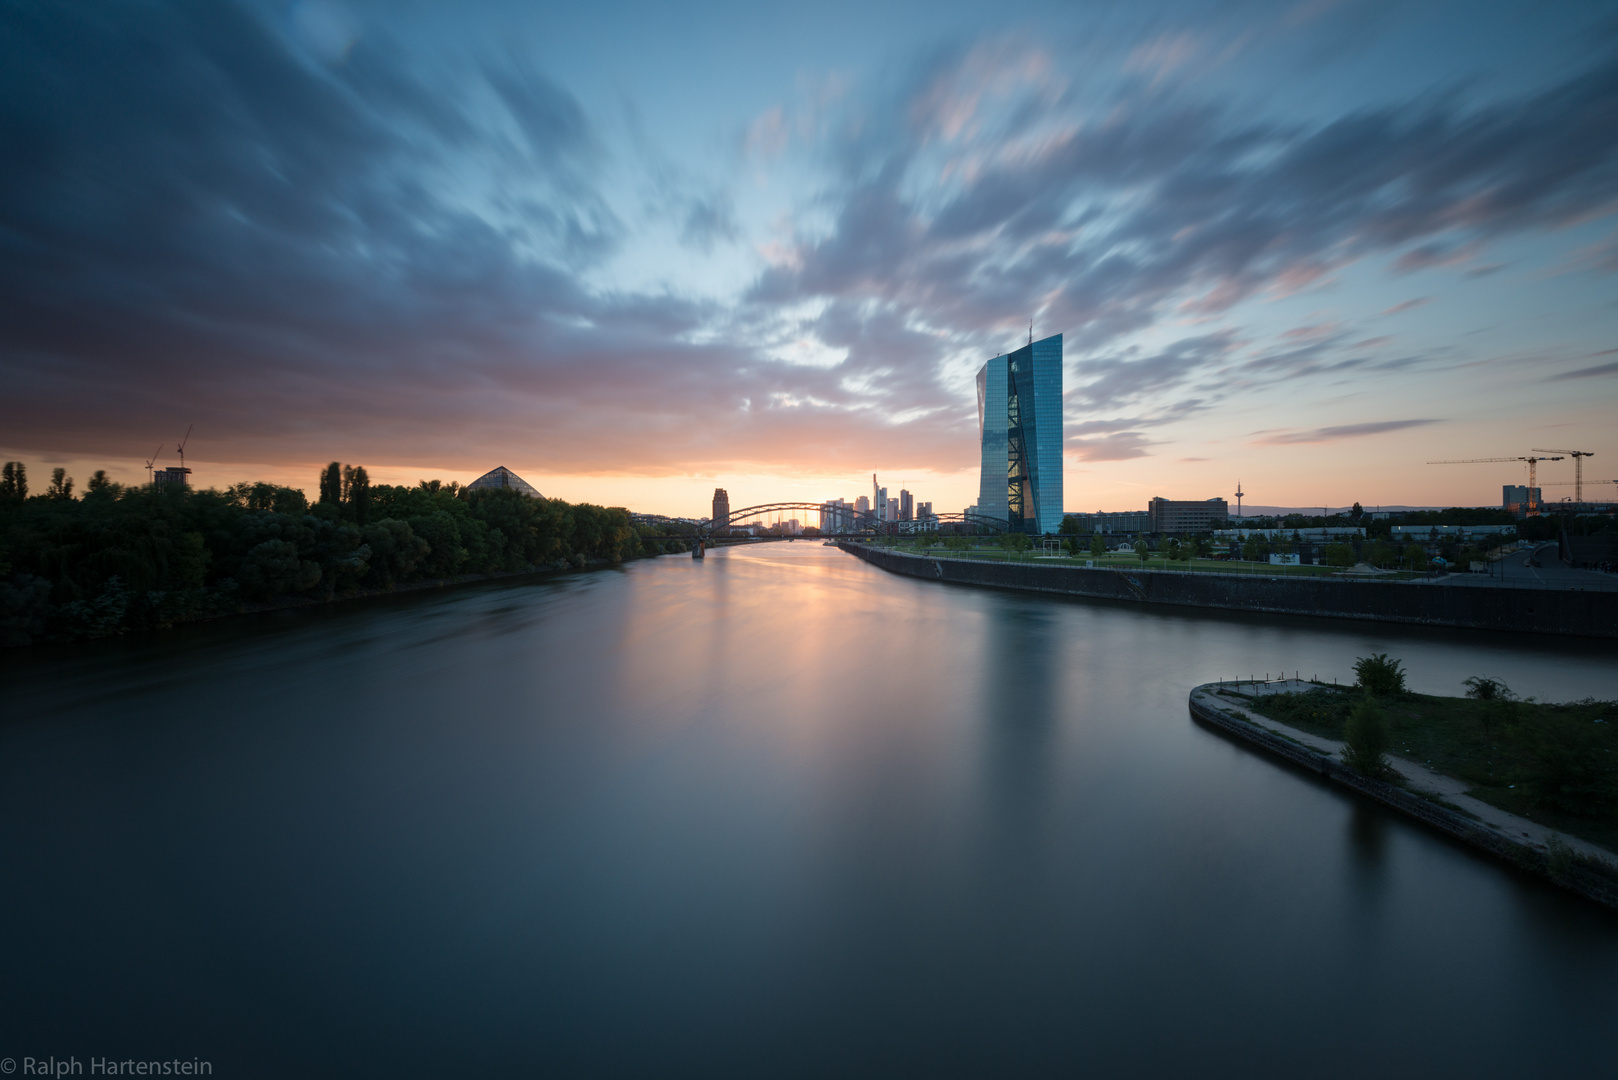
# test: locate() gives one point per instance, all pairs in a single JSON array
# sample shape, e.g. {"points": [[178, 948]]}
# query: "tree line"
{"points": [[121, 558]]}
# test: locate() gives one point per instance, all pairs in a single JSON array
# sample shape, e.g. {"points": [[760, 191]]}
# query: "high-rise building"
{"points": [[1020, 432], [1515, 497], [907, 506], [924, 511], [173, 476], [721, 508], [879, 500], [893, 509], [862, 506]]}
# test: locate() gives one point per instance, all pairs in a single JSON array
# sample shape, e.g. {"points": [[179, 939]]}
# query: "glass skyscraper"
{"points": [[1020, 430]]}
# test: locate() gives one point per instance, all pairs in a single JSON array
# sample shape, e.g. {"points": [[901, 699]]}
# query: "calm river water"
{"points": [[775, 813]]}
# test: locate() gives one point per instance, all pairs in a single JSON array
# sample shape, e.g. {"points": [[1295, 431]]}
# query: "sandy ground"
{"points": [[1419, 776]]}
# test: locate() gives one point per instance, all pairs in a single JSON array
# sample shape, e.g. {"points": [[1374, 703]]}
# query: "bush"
{"points": [[1367, 737], [1380, 676], [1481, 688]]}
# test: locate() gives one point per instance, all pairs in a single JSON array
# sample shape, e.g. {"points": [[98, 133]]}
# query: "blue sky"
{"points": [[638, 251]]}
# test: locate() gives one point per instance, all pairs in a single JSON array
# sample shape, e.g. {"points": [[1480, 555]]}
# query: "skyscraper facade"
{"points": [[907, 505], [1020, 436]]}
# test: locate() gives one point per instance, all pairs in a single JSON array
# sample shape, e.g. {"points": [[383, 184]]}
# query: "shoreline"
{"points": [[1434, 799], [304, 603], [1568, 613]]}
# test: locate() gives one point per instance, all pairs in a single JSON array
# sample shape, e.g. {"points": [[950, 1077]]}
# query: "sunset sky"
{"points": [[634, 252]]}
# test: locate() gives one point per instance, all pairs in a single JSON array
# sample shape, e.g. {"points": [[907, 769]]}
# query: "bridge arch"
{"points": [[860, 523]]}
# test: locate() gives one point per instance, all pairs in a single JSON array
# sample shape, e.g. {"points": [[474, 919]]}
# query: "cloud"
{"points": [[1122, 446], [1409, 305], [1342, 431], [1587, 373], [307, 233]]}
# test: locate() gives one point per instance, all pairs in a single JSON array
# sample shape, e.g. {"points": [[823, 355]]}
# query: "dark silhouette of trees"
{"points": [[123, 559], [14, 483], [331, 484]]}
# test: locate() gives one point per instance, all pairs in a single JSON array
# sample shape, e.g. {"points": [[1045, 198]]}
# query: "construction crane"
{"points": [[183, 441], [152, 462], [1578, 457], [1533, 502]]}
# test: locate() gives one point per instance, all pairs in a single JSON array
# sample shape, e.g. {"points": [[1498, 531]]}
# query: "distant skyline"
{"points": [[635, 253]]}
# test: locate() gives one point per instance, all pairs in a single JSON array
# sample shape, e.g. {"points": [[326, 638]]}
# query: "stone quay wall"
{"points": [[1571, 874], [1536, 611]]}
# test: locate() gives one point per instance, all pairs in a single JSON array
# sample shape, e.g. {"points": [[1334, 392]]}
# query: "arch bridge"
{"points": [[855, 523]]}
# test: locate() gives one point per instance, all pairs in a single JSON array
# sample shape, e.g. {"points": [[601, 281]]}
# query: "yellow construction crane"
{"points": [[1578, 457], [1533, 501]]}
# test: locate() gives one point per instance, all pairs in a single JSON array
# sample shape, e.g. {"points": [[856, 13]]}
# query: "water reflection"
{"points": [[771, 812]]}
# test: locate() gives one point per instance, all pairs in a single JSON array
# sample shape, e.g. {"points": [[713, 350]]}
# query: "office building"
{"points": [[924, 511], [862, 506], [893, 510], [1124, 521], [907, 506], [721, 508], [1516, 497], [1172, 516], [1020, 436], [879, 500]]}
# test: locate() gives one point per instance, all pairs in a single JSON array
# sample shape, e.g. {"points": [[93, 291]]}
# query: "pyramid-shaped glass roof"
{"points": [[502, 477]]}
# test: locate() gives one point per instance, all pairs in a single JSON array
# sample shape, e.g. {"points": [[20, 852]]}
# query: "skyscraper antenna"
{"points": [[1030, 331]]}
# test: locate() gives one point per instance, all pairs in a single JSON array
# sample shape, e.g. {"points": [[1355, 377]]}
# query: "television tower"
{"points": [[1238, 500]]}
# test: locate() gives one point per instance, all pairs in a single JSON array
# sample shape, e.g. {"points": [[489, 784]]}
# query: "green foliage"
{"points": [[61, 484], [1142, 551], [1367, 737], [1338, 554], [331, 484], [14, 482], [1098, 547], [130, 559], [1376, 674], [1480, 688], [1554, 763]]}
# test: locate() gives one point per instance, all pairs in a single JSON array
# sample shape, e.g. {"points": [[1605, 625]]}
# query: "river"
{"points": [[771, 813]]}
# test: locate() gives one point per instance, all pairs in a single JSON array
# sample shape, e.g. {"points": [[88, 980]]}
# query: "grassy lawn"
{"points": [[1554, 764]]}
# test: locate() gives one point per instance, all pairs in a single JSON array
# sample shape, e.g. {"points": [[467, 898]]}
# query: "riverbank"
{"points": [[299, 602], [1438, 801], [1538, 611]]}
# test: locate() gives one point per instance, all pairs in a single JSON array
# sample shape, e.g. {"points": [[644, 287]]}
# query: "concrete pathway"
{"points": [[1419, 776]]}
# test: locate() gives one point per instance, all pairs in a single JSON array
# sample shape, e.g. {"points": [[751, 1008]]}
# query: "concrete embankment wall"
{"points": [[1539, 611], [1568, 873]]}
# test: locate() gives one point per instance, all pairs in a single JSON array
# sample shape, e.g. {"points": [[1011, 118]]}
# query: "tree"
{"points": [[1357, 513], [1366, 738], [14, 481], [331, 484], [1483, 688], [1142, 551], [1376, 674], [1417, 556], [61, 484], [358, 486], [1339, 555], [100, 482], [1098, 546]]}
